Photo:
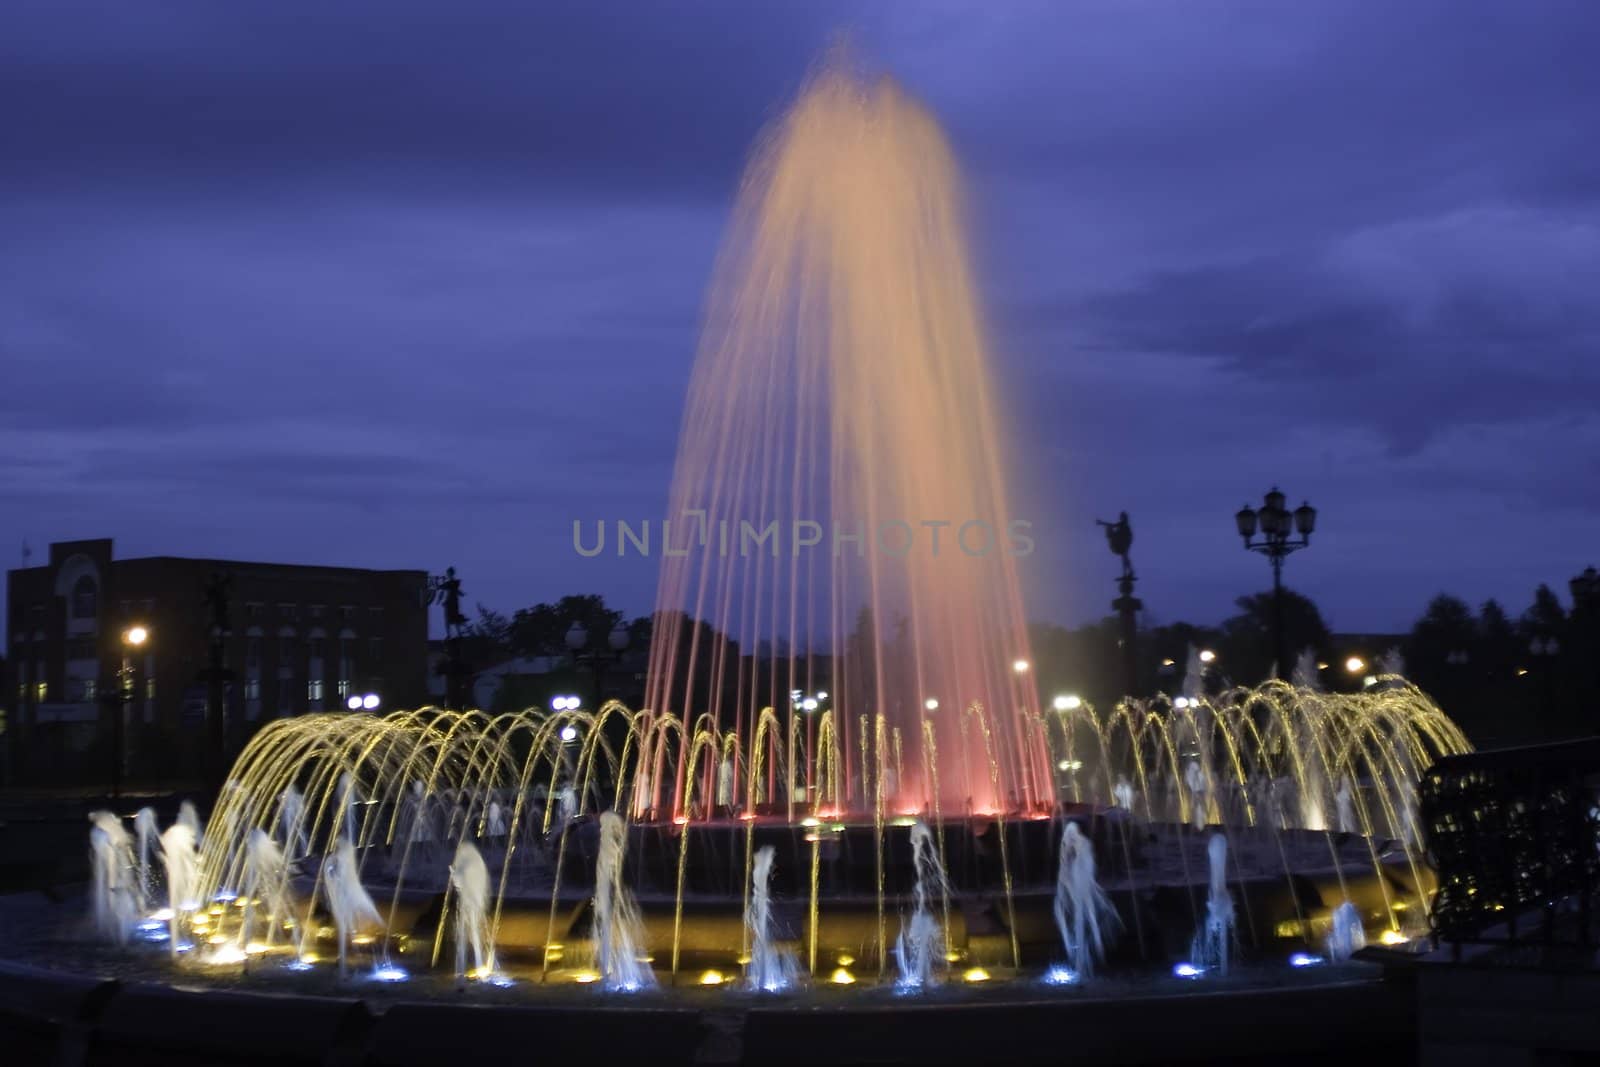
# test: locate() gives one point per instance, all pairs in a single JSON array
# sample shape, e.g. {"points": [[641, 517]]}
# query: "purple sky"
{"points": [[405, 285]]}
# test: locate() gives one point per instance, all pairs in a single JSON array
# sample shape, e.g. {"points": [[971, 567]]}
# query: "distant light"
{"points": [[1070, 765], [1187, 970], [1067, 702], [822, 694], [354, 703], [1060, 974], [569, 733], [1207, 656], [136, 635], [1321, 666], [1521, 671], [1393, 937], [975, 974], [565, 702], [808, 704], [713, 978], [370, 702], [1180, 702], [931, 704], [585, 977], [389, 973], [1304, 959], [1169, 663], [1355, 664], [1020, 666], [1369, 681], [842, 977]]}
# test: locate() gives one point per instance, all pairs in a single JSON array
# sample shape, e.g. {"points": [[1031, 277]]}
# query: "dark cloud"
{"points": [[410, 283]]}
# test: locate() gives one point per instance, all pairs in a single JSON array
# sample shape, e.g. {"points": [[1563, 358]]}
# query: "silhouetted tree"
{"points": [[1245, 650]]}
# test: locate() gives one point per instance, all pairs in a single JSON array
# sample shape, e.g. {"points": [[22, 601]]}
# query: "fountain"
{"points": [[348, 901], [772, 968], [618, 926], [1213, 940], [181, 858], [113, 895], [920, 948], [856, 728], [148, 835], [469, 877], [1348, 936], [1083, 912]]}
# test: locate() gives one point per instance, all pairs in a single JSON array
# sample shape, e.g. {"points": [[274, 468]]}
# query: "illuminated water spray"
{"points": [[842, 410]]}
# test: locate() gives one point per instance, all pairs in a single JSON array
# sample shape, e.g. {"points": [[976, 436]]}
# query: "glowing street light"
{"points": [[1067, 702], [931, 704], [135, 636], [808, 704], [1021, 666], [1207, 656], [1355, 664]]}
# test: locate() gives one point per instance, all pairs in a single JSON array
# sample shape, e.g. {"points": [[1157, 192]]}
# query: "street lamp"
{"points": [[1355, 664], [133, 637], [578, 640], [1276, 522]]}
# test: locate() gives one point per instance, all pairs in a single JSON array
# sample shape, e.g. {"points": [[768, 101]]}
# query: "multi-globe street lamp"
{"points": [[1276, 523], [597, 660]]}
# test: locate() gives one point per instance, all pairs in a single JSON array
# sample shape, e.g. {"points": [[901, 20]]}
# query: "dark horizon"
{"points": [[399, 286]]}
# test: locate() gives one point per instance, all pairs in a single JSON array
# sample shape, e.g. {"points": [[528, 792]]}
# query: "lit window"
{"points": [[149, 688], [88, 685], [252, 688], [344, 688], [42, 692], [314, 689]]}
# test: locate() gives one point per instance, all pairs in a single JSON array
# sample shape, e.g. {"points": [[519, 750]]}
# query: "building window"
{"points": [[127, 608], [375, 615], [36, 612], [252, 651], [344, 689], [314, 689], [22, 692], [81, 648], [252, 610], [150, 606], [375, 649], [42, 692], [85, 598], [284, 696], [150, 689], [252, 688], [314, 610], [316, 648], [286, 610], [86, 690], [285, 651], [347, 613]]}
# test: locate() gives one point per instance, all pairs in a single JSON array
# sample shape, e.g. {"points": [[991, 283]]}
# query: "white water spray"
{"points": [[772, 968], [469, 877], [181, 858], [920, 947], [618, 925], [113, 897], [1348, 936], [1084, 914], [351, 905], [1213, 941]]}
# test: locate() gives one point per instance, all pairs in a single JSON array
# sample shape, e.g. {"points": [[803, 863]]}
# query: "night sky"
{"points": [[407, 285]]}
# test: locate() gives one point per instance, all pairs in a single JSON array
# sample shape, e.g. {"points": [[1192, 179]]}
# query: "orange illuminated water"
{"points": [[843, 379]]}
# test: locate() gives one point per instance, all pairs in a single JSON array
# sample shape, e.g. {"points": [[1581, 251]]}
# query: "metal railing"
{"points": [[1514, 837]]}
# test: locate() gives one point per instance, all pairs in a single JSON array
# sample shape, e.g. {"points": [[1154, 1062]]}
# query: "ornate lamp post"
{"points": [[1119, 538], [578, 640], [445, 589], [1276, 522], [134, 637]]}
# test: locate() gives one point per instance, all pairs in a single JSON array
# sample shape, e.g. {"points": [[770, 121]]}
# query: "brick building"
{"points": [[300, 639]]}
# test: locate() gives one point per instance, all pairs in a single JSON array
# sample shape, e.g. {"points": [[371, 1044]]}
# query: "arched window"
{"points": [[85, 597]]}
